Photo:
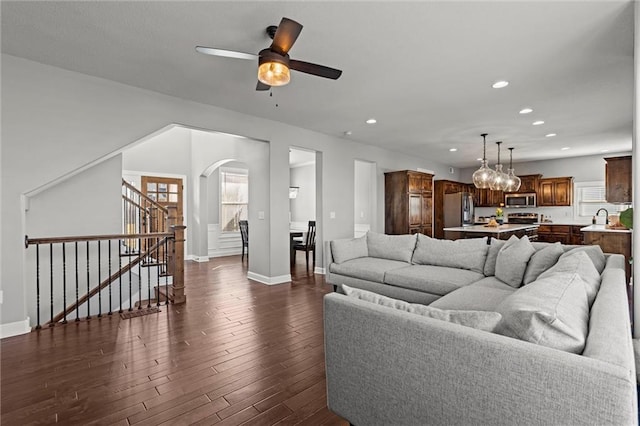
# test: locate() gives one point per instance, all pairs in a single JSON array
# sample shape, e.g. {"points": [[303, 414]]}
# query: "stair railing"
{"points": [[99, 275]]}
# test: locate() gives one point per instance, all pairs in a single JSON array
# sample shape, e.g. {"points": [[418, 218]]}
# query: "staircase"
{"points": [[88, 276]]}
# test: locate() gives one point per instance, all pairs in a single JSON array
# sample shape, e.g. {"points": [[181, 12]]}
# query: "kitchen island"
{"points": [[501, 232], [611, 240]]}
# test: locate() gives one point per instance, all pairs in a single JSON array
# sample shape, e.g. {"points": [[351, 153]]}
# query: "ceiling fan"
{"points": [[274, 62]]}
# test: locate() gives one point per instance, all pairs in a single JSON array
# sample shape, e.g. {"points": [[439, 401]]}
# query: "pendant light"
{"points": [[513, 181], [484, 175], [499, 182]]}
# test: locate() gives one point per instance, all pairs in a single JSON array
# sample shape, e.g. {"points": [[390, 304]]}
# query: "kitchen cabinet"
{"points": [[489, 198], [408, 202], [618, 179], [555, 192], [612, 242], [565, 234], [529, 184]]}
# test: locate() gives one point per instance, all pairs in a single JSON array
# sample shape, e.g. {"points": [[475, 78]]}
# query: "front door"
{"points": [[166, 192]]}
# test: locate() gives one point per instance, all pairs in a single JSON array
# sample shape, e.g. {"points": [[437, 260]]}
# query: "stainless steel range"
{"points": [[525, 218]]}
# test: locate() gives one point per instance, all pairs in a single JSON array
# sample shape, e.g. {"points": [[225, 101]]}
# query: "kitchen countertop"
{"points": [[603, 228], [507, 227], [564, 222]]}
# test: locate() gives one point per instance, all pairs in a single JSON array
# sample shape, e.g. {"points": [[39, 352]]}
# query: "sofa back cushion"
{"points": [[578, 262], [551, 311], [392, 247], [348, 249], [481, 320], [462, 254], [595, 254], [512, 260], [542, 260], [492, 255]]}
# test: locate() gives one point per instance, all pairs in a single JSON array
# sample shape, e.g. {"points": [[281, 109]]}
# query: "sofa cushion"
{"points": [[463, 254], [512, 260], [595, 254], [542, 260], [481, 320], [492, 255], [579, 263], [551, 311], [484, 295], [392, 247], [432, 279], [366, 268], [347, 249]]}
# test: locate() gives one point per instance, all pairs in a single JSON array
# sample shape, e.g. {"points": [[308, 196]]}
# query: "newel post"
{"points": [[175, 265]]}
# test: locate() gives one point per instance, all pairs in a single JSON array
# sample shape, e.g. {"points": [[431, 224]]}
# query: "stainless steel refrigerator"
{"points": [[458, 209]]}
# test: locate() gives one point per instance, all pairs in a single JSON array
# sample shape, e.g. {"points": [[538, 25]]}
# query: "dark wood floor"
{"points": [[238, 352]]}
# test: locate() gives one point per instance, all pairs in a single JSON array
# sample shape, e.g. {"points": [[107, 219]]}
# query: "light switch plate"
{"points": [[332, 215], [261, 215]]}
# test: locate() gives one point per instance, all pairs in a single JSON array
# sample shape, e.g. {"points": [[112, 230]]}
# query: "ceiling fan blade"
{"points": [[262, 86], [286, 34], [225, 53], [315, 69]]}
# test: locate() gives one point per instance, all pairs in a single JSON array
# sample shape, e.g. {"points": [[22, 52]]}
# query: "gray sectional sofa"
{"points": [[425, 331]]}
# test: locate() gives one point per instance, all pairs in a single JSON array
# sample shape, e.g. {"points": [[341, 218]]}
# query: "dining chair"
{"points": [[308, 244], [244, 232]]}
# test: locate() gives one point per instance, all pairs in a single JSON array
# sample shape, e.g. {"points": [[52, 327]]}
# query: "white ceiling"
{"points": [[423, 69]]}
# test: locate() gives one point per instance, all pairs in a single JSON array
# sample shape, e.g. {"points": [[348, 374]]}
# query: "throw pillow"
{"points": [[512, 260], [577, 263], [541, 261], [392, 247], [595, 254], [492, 255], [347, 249], [481, 320], [551, 312], [462, 254]]}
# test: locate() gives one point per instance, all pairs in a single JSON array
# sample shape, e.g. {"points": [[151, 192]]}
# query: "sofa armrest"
{"points": [[386, 366]]}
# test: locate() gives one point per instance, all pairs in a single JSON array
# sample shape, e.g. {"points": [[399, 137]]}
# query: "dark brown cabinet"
{"points": [[408, 202], [565, 234], [529, 184], [618, 179], [555, 192], [489, 198]]}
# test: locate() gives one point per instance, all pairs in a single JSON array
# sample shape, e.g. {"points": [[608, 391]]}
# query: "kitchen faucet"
{"points": [[606, 212]]}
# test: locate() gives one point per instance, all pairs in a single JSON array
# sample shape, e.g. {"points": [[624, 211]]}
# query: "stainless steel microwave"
{"points": [[520, 200]]}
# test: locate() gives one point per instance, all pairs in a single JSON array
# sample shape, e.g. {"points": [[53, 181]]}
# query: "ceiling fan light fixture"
{"points": [[274, 73]]}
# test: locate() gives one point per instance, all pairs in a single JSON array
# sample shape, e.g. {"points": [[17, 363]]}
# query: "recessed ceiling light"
{"points": [[453, 149], [537, 123], [550, 135], [347, 133], [500, 84], [604, 150], [564, 148], [525, 110], [371, 121]]}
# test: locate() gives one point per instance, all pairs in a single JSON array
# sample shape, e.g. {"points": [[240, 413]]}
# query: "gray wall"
{"points": [[79, 120], [303, 207]]}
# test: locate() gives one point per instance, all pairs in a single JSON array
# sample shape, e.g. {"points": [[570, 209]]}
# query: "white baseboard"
{"points": [[222, 252], [319, 270], [15, 328], [269, 280], [198, 258]]}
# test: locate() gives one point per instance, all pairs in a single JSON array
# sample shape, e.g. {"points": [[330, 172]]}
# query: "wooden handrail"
{"points": [[137, 191], [129, 200], [52, 240], [107, 281]]}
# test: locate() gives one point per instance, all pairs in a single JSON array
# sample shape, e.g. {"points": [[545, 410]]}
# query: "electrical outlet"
{"points": [[1, 296], [332, 215]]}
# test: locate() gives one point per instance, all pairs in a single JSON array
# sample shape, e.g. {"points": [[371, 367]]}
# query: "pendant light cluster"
{"points": [[496, 180]]}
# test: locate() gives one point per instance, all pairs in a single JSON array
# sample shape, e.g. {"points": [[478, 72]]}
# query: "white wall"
{"points": [[51, 113], [365, 197]]}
